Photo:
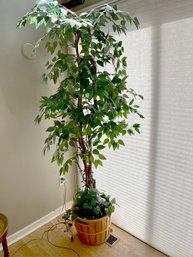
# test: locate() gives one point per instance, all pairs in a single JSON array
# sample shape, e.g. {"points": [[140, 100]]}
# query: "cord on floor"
{"points": [[48, 240]]}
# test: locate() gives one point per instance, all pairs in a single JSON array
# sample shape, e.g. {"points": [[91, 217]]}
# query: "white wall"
{"points": [[152, 176], [29, 186]]}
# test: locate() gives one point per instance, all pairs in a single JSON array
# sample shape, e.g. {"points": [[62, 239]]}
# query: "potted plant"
{"points": [[90, 108]]}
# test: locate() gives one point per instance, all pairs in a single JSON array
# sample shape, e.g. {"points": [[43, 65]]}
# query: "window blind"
{"points": [[152, 176]]}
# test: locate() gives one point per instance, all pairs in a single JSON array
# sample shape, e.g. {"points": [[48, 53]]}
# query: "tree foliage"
{"points": [[91, 106]]}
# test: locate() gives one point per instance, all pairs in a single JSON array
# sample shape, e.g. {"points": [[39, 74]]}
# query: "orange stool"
{"points": [[3, 233]]}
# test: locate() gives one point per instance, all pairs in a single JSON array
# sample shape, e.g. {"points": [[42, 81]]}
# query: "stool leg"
{"points": [[5, 247]]}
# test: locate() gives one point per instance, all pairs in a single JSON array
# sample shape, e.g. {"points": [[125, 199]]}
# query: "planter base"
{"points": [[93, 232]]}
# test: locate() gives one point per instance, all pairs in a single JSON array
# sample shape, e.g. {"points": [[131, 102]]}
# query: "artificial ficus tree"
{"points": [[91, 106]]}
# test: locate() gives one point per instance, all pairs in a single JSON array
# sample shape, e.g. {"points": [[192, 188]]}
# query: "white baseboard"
{"points": [[35, 225]]}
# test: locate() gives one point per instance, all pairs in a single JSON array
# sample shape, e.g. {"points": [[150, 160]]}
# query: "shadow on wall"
{"points": [[20, 92], [156, 37], [23, 166], [20, 83], [20, 79]]}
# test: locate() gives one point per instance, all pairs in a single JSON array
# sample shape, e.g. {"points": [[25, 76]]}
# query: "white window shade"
{"points": [[152, 176]]}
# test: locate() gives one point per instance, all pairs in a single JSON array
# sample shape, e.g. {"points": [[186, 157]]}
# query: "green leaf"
{"points": [[138, 131], [95, 151], [102, 157], [121, 142], [131, 102], [110, 210], [93, 202], [96, 211], [141, 116], [86, 206], [72, 143], [66, 168], [106, 141], [116, 79], [101, 63], [100, 147], [136, 125], [33, 20], [130, 132], [100, 162], [61, 171], [74, 216], [50, 129], [96, 143], [136, 22]]}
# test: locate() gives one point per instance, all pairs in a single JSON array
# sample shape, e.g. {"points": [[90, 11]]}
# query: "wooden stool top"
{"points": [[3, 224]]}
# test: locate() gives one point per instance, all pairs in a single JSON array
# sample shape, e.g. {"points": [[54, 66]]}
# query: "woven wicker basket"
{"points": [[93, 232]]}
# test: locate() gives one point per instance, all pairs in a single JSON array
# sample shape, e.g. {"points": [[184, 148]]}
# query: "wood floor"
{"points": [[128, 246]]}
